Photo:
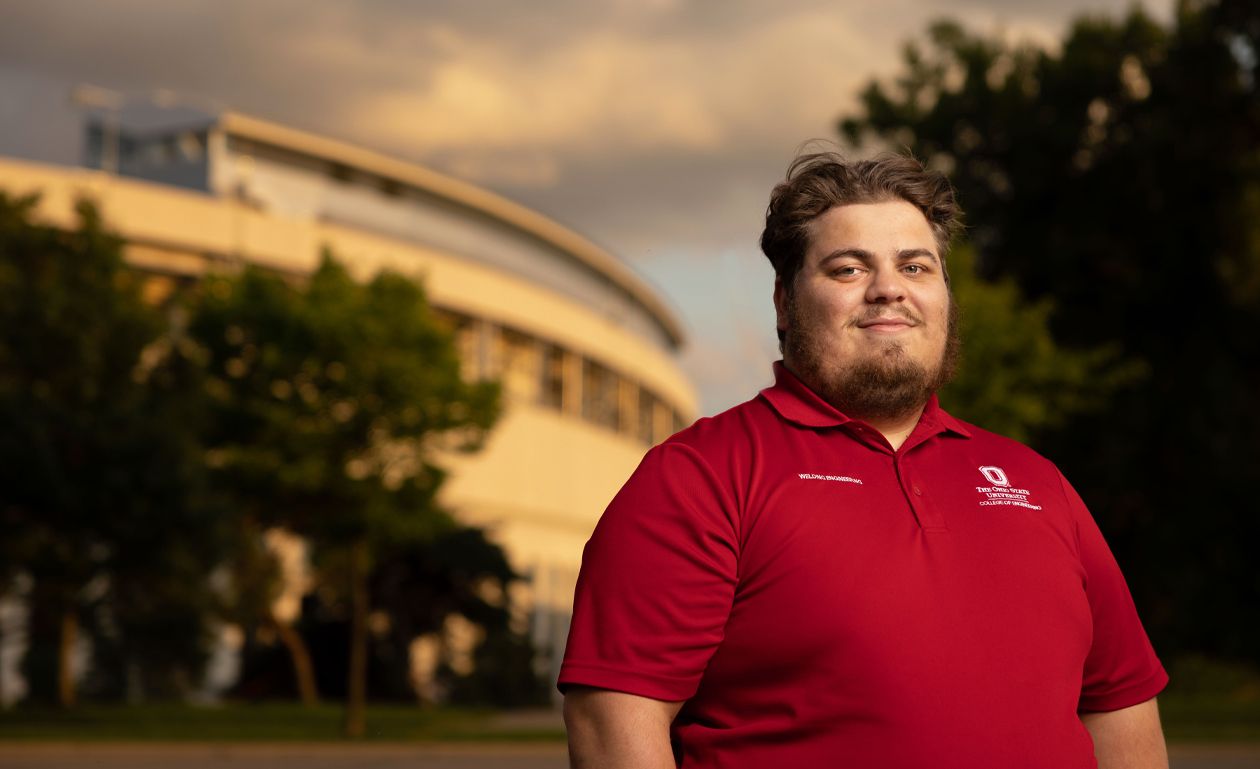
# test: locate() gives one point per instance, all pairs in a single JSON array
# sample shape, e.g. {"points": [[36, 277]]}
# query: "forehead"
{"points": [[886, 226]]}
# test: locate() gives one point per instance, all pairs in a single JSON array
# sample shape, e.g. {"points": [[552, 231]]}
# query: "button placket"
{"points": [[925, 512]]}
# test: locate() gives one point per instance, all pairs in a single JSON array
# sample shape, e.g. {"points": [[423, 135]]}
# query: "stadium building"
{"points": [[587, 352]]}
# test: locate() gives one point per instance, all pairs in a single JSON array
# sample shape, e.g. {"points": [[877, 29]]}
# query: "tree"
{"points": [[254, 584], [1014, 378], [459, 572], [330, 398], [1119, 176], [98, 464]]}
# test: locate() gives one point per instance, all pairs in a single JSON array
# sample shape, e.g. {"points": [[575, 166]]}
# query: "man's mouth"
{"points": [[890, 323]]}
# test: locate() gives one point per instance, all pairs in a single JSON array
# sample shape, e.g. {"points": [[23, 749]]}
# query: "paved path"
{"points": [[331, 756]]}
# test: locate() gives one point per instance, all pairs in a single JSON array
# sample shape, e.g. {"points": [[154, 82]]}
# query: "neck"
{"points": [[895, 429]]}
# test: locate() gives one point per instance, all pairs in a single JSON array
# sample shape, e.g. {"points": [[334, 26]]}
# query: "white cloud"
{"points": [[599, 91], [610, 93]]}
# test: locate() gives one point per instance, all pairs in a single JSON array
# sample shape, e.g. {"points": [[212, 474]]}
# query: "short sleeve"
{"points": [[657, 581], [1121, 669]]}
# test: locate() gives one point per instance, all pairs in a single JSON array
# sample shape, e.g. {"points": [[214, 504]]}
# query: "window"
{"points": [[126, 147], [627, 407], [341, 172], [518, 362], [551, 389], [599, 394], [391, 188], [646, 431], [192, 146], [535, 371]]}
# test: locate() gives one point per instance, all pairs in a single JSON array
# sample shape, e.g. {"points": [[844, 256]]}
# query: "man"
{"points": [[840, 574]]}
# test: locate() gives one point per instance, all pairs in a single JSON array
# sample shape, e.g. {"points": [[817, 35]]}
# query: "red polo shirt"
{"points": [[820, 600]]}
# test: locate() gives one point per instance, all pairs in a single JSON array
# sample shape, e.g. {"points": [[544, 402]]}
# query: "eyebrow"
{"points": [[863, 255]]}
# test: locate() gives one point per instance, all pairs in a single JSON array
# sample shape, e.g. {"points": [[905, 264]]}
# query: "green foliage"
{"points": [[316, 406], [72, 330], [329, 399], [1118, 177], [503, 674], [461, 572], [100, 472], [1014, 378], [250, 580], [1079, 170], [234, 722]]}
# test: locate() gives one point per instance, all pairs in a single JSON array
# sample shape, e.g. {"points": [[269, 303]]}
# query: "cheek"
{"points": [[811, 310], [937, 314], [937, 307], [837, 307]]}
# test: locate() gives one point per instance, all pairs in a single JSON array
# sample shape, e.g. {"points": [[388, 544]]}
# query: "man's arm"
{"points": [[615, 730], [1129, 738]]}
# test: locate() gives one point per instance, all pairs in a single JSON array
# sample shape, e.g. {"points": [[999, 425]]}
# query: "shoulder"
{"points": [[733, 431], [718, 455], [1001, 445], [1001, 459], [998, 450]]}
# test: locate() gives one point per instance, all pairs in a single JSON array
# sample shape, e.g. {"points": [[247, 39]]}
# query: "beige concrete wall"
{"points": [[545, 478], [169, 217], [485, 293]]}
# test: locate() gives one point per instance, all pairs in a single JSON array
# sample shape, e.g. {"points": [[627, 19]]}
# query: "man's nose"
{"points": [[885, 287]]}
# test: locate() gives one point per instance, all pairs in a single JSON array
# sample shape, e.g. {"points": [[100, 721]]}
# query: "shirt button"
{"points": [[918, 492]]}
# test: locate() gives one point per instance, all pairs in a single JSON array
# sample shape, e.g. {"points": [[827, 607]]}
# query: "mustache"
{"points": [[888, 313]]}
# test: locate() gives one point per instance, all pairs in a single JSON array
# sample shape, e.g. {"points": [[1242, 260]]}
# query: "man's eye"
{"points": [[846, 272], [914, 269]]}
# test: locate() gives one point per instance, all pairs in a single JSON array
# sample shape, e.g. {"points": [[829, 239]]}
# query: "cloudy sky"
{"points": [[654, 127]]}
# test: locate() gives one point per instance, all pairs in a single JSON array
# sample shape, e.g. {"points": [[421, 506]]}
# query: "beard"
{"points": [[886, 384]]}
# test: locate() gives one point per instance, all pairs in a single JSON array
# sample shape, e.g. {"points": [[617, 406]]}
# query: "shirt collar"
{"points": [[795, 402]]}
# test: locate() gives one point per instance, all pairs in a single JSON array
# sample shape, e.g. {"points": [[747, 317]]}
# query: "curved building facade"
{"points": [[586, 351]]}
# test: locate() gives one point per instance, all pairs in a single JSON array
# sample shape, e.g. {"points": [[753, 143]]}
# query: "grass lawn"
{"points": [[1200, 718], [258, 722], [1211, 700], [1187, 718]]}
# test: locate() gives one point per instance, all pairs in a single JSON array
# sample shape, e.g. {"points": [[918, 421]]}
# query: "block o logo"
{"points": [[995, 475]]}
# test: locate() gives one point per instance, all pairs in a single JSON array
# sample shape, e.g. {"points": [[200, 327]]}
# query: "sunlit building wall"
{"points": [[586, 351]]}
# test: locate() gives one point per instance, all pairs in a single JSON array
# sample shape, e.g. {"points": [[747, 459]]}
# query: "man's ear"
{"points": [[780, 305]]}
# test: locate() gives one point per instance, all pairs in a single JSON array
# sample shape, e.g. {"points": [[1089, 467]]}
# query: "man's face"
{"points": [[869, 323]]}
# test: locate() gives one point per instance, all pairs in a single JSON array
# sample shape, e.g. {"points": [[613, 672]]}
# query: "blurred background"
{"points": [[327, 330]]}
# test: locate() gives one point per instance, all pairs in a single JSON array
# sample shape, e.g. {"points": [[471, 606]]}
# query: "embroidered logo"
{"points": [[995, 475], [840, 478], [1001, 492]]}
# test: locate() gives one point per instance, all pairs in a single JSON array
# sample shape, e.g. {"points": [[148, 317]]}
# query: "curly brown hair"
{"points": [[819, 181]]}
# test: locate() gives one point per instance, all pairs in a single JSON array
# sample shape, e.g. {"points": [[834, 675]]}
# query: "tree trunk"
{"points": [[356, 689], [300, 656], [65, 659]]}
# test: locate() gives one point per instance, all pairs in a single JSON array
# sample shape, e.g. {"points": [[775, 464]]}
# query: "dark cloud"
{"points": [[1059, 12], [37, 121], [129, 43], [279, 58], [666, 200]]}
